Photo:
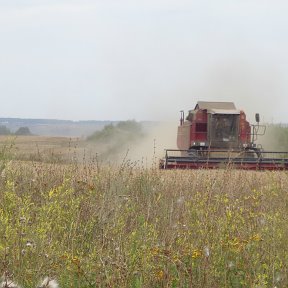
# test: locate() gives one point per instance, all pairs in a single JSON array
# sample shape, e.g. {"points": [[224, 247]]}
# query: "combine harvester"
{"points": [[216, 134]]}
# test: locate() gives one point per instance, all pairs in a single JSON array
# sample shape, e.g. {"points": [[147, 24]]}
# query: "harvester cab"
{"points": [[214, 134]]}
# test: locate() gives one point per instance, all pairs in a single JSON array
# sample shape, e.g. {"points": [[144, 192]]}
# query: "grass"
{"points": [[91, 225]]}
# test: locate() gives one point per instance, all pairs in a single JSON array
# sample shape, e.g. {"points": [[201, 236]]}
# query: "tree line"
{"points": [[20, 131]]}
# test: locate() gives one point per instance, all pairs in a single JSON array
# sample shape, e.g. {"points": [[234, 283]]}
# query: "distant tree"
{"points": [[123, 132], [4, 130], [116, 138], [23, 131], [130, 125]]}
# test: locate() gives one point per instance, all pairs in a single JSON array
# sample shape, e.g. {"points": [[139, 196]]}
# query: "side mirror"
{"points": [[257, 117]]}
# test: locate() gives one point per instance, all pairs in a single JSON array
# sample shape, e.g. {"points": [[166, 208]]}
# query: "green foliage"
{"points": [[23, 131], [113, 139], [4, 130], [122, 132]]}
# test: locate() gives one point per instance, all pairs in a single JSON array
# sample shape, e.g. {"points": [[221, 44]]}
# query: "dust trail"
{"points": [[275, 138], [158, 137], [144, 148]]}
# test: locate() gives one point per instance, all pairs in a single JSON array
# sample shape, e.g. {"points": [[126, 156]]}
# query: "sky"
{"points": [[142, 59]]}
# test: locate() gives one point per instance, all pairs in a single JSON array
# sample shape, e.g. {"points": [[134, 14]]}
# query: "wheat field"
{"points": [[89, 224]]}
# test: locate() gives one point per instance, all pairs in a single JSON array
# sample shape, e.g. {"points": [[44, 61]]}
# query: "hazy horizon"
{"points": [[145, 60]]}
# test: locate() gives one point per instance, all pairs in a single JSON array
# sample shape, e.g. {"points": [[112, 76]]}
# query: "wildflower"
{"points": [[160, 274], [30, 243], [278, 277], [262, 221], [230, 264], [75, 260], [175, 258], [3, 173], [155, 251], [256, 238], [180, 200], [196, 254], [48, 283], [206, 251]]}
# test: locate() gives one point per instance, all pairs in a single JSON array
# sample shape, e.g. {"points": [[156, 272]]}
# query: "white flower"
{"points": [[278, 277], [3, 173], [30, 243], [48, 283], [180, 200], [7, 283], [230, 264], [262, 221], [206, 251]]}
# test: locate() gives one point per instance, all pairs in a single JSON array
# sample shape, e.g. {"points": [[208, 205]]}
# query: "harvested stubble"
{"points": [[127, 226]]}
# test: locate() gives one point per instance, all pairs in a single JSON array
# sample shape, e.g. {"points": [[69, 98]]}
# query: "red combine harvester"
{"points": [[216, 134]]}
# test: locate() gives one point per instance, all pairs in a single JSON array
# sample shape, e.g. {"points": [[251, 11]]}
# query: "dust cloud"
{"points": [[253, 87], [158, 137], [144, 147], [275, 138]]}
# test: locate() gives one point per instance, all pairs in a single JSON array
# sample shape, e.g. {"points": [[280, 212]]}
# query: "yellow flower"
{"points": [[256, 238], [75, 260], [196, 253], [155, 251], [160, 274]]}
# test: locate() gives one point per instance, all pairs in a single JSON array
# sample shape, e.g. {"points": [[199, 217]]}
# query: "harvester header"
{"points": [[216, 134]]}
